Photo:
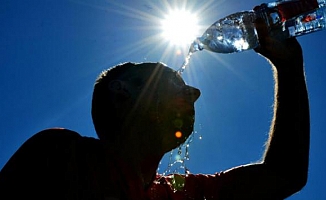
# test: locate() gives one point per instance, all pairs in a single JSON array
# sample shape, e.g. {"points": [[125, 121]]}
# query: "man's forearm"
{"points": [[288, 146]]}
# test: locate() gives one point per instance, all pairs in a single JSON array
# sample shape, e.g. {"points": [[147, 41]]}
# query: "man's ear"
{"points": [[118, 88]]}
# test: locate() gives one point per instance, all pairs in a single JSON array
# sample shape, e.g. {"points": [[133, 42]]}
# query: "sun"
{"points": [[180, 27]]}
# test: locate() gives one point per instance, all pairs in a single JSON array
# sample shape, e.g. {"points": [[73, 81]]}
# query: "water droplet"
{"points": [[187, 171], [187, 152], [179, 151]]}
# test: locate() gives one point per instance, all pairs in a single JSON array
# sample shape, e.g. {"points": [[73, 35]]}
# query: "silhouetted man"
{"points": [[137, 110]]}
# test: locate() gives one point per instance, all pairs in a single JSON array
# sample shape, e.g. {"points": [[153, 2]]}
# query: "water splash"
{"points": [[197, 45], [178, 158], [185, 63]]}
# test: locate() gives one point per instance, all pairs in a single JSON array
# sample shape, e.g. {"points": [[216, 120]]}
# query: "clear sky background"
{"points": [[51, 52]]}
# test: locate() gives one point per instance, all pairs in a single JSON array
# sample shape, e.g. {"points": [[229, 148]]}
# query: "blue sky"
{"points": [[51, 52]]}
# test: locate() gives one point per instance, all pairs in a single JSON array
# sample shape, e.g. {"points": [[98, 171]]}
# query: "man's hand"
{"points": [[278, 51]]}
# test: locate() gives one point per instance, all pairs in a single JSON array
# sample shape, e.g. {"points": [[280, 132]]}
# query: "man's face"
{"points": [[164, 101]]}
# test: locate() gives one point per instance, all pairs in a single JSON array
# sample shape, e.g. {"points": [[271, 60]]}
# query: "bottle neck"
{"points": [[321, 2]]}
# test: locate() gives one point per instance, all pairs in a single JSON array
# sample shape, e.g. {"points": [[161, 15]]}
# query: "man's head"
{"points": [[147, 100]]}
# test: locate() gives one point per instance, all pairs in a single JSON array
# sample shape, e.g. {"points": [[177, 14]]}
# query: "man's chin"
{"points": [[186, 132]]}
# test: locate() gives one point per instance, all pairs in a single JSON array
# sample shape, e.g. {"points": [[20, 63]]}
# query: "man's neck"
{"points": [[141, 162]]}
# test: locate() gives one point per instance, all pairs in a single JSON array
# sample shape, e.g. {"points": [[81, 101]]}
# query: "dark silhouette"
{"points": [[137, 109]]}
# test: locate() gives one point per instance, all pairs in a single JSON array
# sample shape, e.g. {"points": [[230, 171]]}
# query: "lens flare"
{"points": [[178, 134]]}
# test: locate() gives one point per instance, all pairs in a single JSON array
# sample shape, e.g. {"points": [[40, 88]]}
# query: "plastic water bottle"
{"points": [[287, 18]]}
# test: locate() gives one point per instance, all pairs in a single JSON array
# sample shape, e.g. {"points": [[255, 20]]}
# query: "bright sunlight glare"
{"points": [[180, 27]]}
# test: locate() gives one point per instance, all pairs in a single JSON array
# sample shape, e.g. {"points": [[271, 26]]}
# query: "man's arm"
{"points": [[288, 146], [285, 165]]}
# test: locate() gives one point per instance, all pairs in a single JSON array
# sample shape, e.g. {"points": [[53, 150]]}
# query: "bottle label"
{"points": [[289, 9]]}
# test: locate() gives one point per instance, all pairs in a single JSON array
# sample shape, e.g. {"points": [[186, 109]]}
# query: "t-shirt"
{"points": [[61, 164]]}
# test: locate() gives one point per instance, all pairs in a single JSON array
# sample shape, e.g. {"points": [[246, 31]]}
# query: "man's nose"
{"points": [[191, 93]]}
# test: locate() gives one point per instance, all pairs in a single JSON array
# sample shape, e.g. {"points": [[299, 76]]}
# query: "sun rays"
{"points": [[172, 24]]}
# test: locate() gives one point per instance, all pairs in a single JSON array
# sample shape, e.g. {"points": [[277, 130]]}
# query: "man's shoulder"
{"points": [[57, 137], [57, 132]]}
